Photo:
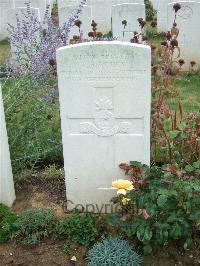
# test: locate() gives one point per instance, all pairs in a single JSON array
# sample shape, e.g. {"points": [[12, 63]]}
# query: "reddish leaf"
{"points": [[180, 110], [174, 122]]}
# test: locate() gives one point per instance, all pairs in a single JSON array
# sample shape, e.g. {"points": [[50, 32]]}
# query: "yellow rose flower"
{"points": [[122, 186], [125, 201]]}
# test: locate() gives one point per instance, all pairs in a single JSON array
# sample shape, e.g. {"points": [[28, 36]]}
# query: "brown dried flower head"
{"points": [[174, 43], [153, 47], [78, 23], [91, 34], [181, 62], [144, 38], [52, 62], [164, 43], [141, 22], [76, 37], [192, 63], [153, 24], [94, 24], [99, 34], [168, 35], [154, 70], [124, 22], [176, 7]]}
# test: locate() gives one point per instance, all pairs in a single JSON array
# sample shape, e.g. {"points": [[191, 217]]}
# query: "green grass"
{"points": [[4, 51], [188, 88]]}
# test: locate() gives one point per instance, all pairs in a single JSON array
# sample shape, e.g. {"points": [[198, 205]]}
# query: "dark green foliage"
{"points": [[164, 208], [34, 224], [113, 251], [7, 218], [149, 10], [80, 228]]}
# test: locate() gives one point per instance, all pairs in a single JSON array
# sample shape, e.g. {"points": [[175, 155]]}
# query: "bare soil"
{"points": [[46, 193]]}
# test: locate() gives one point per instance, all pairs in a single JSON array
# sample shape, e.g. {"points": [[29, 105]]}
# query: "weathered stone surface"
{"points": [[85, 18], [41, 4], [187, 20], [162, 13], [105, 95], [7, 192], [5, 7], [130, 13]]}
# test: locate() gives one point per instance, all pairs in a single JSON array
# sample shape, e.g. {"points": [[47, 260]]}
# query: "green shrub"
{"points": [[80, 228], [34, 224], [164, 206], [113, 251], [33, 122], [7, 218], [149, 10]]}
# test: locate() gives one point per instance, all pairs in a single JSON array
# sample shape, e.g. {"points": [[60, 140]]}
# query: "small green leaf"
{"points": [[189, 168], [147, 249], [173, 134], [135, 163], [196, 164], [161, 200]]}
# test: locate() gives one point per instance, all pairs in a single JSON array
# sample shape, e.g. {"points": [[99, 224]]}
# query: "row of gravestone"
{"points": [[101, 11], [105, 98], [9, 9], [187, 20]]}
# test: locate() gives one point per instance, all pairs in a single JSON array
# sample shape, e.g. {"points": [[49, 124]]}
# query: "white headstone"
{"points": [[85, 18], [7, 191], [162, 14], [187, 20], [7, 3], [118, 2], [105, 97], [130, 13], [101, 14], [5, 7], [155, 4], [41, 4]]}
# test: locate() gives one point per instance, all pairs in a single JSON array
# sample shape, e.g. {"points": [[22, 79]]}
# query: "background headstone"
{"points": [[7, 191], [85, 18], [5, 7], [118, 2], [187, 20], [162, 13], [41, 4], [130, 13], [105, 96], [101, 14]]}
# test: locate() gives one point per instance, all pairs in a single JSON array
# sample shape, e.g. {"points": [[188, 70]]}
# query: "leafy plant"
{"points": [[34, 224], [162, 208], [7, 219], [149, 10], [113, 251], [33, 122], [54, 173], [80, 228]]}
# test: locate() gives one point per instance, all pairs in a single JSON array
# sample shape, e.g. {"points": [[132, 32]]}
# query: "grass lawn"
{"points": [[4, 51], [188, 87]]}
